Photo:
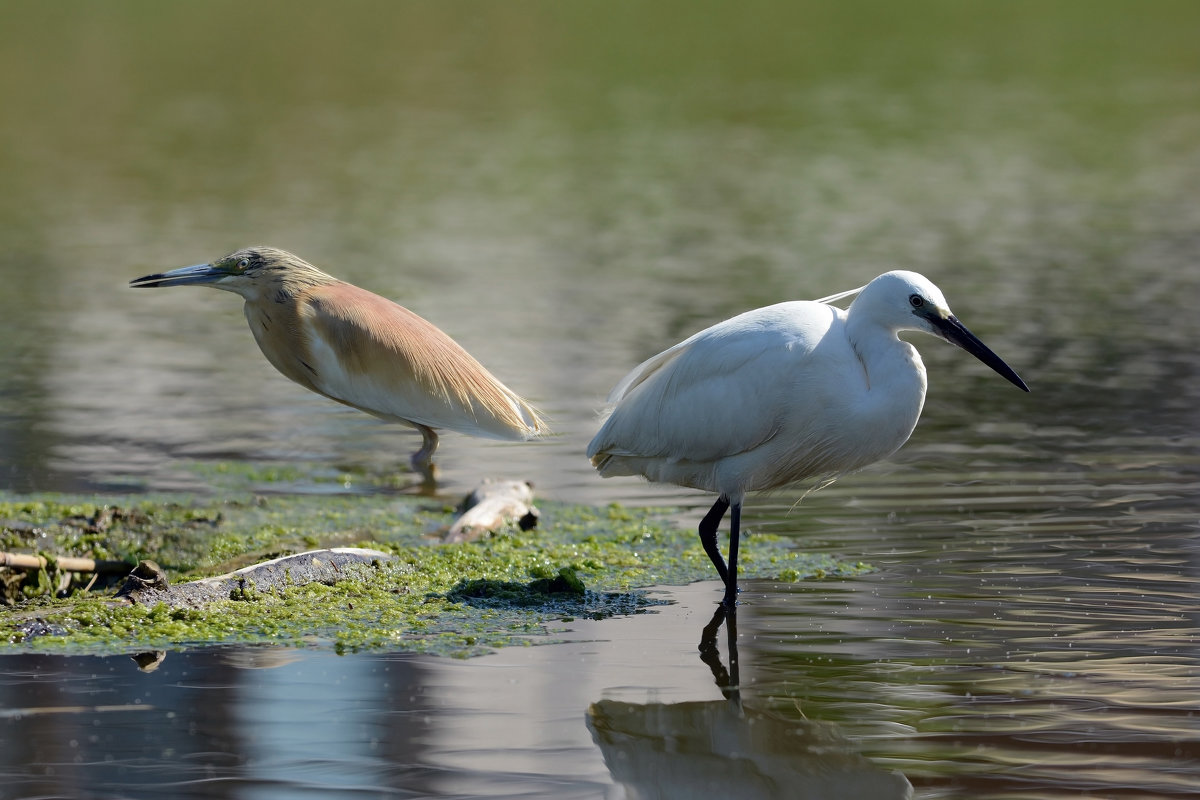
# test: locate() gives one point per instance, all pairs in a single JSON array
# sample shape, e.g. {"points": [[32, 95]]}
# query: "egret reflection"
{"points": [[726, 748]]}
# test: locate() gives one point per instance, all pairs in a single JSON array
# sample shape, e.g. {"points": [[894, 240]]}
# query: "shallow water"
{"points": [[568, 189]]}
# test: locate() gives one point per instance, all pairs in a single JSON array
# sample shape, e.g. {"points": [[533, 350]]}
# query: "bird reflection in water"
{"points": [[724, 748], [727, 679]]}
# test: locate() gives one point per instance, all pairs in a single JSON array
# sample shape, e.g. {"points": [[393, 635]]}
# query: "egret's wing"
{"points": [[644, 370], [375, 355], [722, 392]]}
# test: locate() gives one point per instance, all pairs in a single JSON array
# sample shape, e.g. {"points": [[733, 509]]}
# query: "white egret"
{"points": [[795, 392]]}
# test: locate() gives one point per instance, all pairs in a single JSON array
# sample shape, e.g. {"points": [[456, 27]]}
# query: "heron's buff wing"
{"points": [[378, 356]]}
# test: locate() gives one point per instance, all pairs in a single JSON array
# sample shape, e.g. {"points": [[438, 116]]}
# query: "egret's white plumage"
{"points": [[794, 392], [362, 350]]}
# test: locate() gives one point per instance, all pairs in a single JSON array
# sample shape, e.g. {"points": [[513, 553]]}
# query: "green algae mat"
{"points": [[462, 599]]}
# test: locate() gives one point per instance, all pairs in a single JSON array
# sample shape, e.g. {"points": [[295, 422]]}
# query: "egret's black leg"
{"points": [[731, 587], [708, 535]]}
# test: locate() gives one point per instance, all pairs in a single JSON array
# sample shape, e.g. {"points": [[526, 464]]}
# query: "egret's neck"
{"points": [[895, 379]]}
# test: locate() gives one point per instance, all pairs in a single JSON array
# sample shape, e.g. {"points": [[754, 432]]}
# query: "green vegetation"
{"points": [[458, 599]]}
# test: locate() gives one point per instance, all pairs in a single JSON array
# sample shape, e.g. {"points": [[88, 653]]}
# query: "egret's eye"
{"points": [[245, 262], [916, 301]]}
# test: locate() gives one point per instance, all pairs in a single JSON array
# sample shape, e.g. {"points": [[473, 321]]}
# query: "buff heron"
{"points": [[798, 392], [362, 350]]}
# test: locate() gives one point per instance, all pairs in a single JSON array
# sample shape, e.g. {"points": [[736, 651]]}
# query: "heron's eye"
{"points": [[916, 301], [245, 262]]}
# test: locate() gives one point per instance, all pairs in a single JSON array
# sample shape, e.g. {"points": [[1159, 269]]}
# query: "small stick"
{"points": [[66, 563]]}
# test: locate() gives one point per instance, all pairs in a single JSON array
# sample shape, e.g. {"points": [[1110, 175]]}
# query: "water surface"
{"points": [[568, 189]]}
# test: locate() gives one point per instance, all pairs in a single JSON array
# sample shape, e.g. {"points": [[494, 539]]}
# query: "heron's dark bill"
{"points": [[184, 276], [955, 332]]}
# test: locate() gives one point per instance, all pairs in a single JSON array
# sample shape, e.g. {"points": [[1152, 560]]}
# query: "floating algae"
{"points": [[461, 599]]}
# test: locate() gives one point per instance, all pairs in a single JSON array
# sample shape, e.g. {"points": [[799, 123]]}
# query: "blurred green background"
{"points": [[568, 188]]}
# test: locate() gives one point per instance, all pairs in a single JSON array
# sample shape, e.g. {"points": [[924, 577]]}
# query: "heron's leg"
{"points": [[708, 536], [731, 587], [422, 460]]}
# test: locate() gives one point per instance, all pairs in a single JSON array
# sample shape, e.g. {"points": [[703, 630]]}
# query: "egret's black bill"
{"points": [[184, 276], [955, 332]]}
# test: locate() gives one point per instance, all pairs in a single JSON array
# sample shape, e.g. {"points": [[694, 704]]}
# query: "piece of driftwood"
{"points": [[65, 563], [148, 583], [492, 505]]}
